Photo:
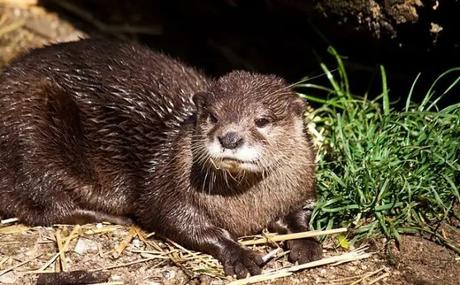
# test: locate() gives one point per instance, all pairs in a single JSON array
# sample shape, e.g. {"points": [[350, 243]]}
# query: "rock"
{"points": [[136, 243], [169, 274], [86, 245]]}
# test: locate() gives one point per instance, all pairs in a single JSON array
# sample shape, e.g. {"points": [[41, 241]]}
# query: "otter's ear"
{"points": [[200, 99], [298, 106]]}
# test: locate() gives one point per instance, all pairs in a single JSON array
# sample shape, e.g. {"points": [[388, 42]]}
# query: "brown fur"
{"points": [[101, 130]]}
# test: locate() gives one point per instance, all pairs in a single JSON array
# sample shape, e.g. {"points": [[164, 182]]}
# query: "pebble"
{"points": [[169, 274], [85, 245], [136, 243]]}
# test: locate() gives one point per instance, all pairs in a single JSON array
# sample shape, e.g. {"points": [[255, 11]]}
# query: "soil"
{"points": [[417, 260], [424, 262]]}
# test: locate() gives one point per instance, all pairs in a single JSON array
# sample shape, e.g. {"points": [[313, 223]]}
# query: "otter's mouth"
{"points": [[235, 160], [236, 165], [245, 158]]}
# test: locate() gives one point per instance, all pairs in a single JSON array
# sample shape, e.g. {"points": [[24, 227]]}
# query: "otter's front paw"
{"points": [[304, 250], [240, 262]]}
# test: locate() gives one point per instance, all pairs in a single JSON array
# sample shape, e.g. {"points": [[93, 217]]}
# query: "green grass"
{"points": [[383, 171]]}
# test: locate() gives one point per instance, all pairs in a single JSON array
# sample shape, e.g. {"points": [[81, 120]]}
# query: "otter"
{"points": [[105, 130]]}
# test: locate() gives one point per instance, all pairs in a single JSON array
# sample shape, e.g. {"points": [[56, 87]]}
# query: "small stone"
{"points": [[85, 245], [169, 274], [136, 243]]}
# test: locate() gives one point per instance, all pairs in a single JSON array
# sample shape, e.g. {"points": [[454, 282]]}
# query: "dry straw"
{"points": [[287, 271]]}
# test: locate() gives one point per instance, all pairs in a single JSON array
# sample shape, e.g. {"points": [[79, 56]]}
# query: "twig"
{"points": [[384, 275], [334, 260], [18, 265], [3, 261], [145, 240], [270, 255], [124, 243], [270, 275], [359, 278], [292, 236], [9, 221], [14, 229], [102, 230], [261, 277], [73, 234], [153, 252], [129, 264], [179, 264], [61, 250], [110, 283], [367, 276], [48, 263], [341, 280]]}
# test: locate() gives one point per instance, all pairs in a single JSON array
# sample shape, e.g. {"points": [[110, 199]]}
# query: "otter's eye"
{"points": [[212, 118], [261, 122]]}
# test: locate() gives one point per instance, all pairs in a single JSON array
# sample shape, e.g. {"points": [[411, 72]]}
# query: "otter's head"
{"points": [[248, 123]]}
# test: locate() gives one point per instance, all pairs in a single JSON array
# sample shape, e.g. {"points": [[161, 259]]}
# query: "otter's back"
{"points": [[91, 112]]}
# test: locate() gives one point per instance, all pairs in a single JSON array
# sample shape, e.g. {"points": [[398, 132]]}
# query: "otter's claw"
{"points": [[304, 250], [240, 262]]}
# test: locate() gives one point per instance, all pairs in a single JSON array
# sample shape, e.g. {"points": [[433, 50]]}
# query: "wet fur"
{"points": [[97, 130]]}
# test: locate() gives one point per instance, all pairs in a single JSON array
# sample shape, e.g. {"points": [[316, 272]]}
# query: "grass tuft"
{"points": [[384, 171]]}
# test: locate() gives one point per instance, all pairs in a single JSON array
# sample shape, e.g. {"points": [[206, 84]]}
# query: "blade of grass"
{"points": [[386, 100]]}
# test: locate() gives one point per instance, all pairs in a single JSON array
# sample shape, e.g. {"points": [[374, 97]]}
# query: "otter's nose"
{"points": [[231, 140]]}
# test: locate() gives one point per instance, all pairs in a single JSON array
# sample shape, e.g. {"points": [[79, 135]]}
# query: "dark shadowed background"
{"points": [[289, 38]]}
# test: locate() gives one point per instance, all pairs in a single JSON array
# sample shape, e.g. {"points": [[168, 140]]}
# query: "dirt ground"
{"points": [[128, 258], [25, 251]]}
